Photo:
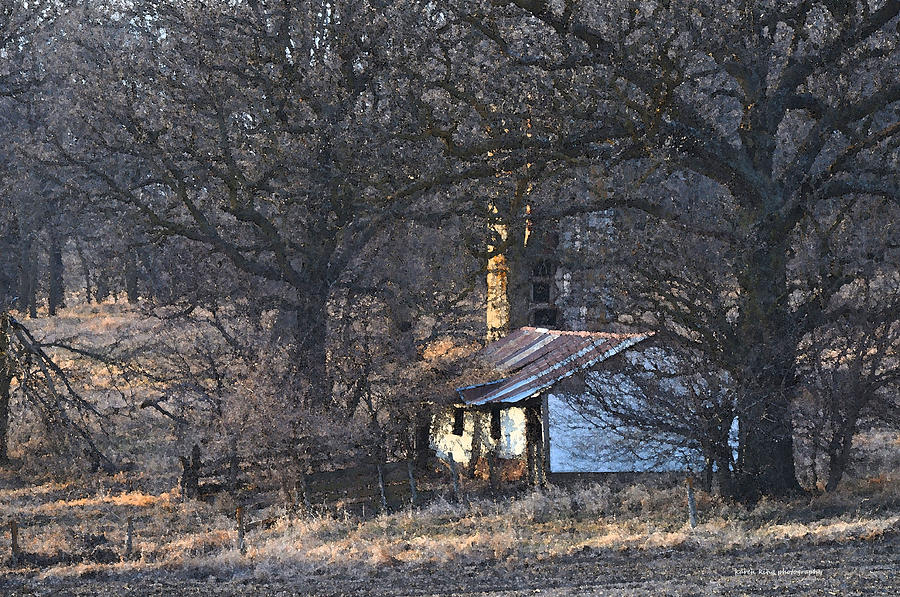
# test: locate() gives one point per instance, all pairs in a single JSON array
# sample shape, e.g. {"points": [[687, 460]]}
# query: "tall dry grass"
{"points": [[60, 523], [66, 524]]}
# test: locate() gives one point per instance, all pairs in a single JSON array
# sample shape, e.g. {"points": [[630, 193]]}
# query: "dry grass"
{"points": [[544, 524], [66, 524], [196, 537]]}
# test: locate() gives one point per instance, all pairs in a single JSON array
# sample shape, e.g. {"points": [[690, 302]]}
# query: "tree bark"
{"points": [[813, 457], [768, 449], [190, 476], [767, 434], [767, 350], [85, 272], [311, 360], [839, 450], [534, 441], [56, 292], [422, 438], [27, 280], [718, 452], [708, 475], [131, 276], [232, 480], [5, 383]]}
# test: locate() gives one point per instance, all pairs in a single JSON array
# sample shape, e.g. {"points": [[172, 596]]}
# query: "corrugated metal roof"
{"points": [[533, 359]]}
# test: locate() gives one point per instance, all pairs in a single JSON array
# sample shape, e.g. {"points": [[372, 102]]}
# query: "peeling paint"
{"points": [[511, 442]]}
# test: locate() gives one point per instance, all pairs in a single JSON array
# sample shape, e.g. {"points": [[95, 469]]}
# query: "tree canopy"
{"points": [[345, 169]]}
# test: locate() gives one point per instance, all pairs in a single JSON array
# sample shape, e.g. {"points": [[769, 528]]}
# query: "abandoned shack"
{"points": [[521, 418]]}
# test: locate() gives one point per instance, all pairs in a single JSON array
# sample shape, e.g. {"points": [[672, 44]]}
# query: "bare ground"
{"points": [[861, 567]]}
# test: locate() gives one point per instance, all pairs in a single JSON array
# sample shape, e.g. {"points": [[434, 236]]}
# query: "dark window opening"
{"points": [[545, 318], [540, 292], [495, 422], [543, 268], [458, 421]]}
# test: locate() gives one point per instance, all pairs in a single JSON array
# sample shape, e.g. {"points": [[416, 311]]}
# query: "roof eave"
{"points": [[516, 398]]}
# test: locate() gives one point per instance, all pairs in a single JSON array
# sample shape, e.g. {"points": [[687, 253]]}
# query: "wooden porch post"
{"points": [[545, 440]]}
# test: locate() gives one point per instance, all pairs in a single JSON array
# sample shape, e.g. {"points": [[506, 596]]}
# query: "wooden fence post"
{"points": [[496, 475], [413, 497], [304, 495], [543, 459], [529, 462], [384, 506], [129, 532], [14, 541], [708, 476], [239, 514], [692, 504], [455, 474]]}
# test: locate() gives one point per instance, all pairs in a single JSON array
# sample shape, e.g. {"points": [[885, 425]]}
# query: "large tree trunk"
{"points": [[725, 476], [767, 447], [839, 448], [534, 442], [102, 288], [721, 456], [716, 432], [5, 382], [131, 276], [85, 271], [27, 280], [768, 348], [56, 292], [422, 436], [311, 350]]}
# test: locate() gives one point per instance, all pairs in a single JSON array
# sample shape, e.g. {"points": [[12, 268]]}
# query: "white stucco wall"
{"points": [[577, 446], [511, 442]]}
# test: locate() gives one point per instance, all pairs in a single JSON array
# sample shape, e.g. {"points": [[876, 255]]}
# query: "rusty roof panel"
{"points": [[495, 346], [536, 348], [536, 358], [472, 394], [511, 350]]}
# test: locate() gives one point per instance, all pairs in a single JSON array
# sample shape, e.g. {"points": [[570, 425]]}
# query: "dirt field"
{"points": [[851, 568]]}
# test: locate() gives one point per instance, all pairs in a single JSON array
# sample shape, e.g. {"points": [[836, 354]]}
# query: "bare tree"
{"points": [[262, 158], [43, 385], [851, 372], [780, 108]]}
